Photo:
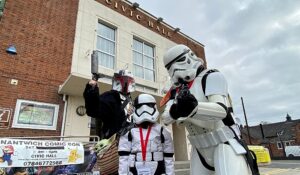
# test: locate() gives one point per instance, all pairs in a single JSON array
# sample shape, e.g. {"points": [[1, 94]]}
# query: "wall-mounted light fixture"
{"points": [[135, 5], [11, 49], [176, 29], [160, 19]]}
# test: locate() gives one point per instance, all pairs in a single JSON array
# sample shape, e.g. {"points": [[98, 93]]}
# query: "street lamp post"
{"points": [[249, 137]]}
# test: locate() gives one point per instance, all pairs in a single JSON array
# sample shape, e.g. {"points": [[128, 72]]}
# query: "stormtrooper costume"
{"points": [[110, 108], [200, 101], [148, 148]]}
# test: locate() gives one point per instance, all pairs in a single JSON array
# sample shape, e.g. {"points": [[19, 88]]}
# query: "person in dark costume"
{"points": [[112, 110]]}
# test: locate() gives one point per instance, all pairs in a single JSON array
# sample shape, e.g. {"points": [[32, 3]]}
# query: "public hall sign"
{"points": [[138, 16]]}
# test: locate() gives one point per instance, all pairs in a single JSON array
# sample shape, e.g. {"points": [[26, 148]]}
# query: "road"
{"points": [[281, 167]]}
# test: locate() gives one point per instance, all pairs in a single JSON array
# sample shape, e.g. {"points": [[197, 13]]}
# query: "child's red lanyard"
{"points": [[144, 144]]}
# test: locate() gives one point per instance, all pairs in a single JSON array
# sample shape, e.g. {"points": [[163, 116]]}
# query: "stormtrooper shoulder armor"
{"points": [[216, 84]]}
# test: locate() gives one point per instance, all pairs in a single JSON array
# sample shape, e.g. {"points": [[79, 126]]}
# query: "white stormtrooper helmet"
{"points": [[123, 82], [182, 64], [145, 109]]}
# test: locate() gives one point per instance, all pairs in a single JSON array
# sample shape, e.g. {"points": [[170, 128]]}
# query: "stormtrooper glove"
{"points": [[183, 105]]}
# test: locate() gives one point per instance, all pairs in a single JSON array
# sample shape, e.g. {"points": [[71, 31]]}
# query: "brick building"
{"points": [[274, 136], [41, 85], [43, 34]]}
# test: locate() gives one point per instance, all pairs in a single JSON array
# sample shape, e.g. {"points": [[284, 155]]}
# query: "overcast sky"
{"points": [[254, 43]]}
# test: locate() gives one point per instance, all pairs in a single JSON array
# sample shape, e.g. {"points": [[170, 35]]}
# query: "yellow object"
{"points": [[73, 156], [262, 154]]}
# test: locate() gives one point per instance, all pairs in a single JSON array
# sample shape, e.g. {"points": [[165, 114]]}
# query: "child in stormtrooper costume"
{"points": [[148, 148], [199, 100]]}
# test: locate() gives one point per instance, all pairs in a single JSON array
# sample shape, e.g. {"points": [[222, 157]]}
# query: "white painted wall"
{"points": [[89, 13], [76, 125]]}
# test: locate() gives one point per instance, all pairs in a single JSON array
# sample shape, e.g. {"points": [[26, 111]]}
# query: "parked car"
{"points": [[292, 151]]}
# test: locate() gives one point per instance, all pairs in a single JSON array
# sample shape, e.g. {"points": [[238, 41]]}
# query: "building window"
{"points": [[286, 143], [279, 145], [106, 45], [2, 5], [35, 115], [143, 60]]}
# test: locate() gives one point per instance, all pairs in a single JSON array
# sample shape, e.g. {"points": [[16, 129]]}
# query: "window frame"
{"points": [[39, 107], [288, 143], [100, 22], [143, 42], [279, 145]]}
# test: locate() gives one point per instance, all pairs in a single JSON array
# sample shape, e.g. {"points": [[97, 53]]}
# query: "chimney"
{"points": [[288, 118]]}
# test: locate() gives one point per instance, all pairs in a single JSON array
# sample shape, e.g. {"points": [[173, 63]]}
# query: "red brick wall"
{"points": [[43, 32], [272, 146], [297, 133]]}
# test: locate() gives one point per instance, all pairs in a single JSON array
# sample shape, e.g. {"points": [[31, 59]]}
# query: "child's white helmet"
{"points": [[145, 109]]}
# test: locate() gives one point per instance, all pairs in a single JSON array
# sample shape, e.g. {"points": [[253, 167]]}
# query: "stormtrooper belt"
{"points": [[221, 135], [150, 156]]}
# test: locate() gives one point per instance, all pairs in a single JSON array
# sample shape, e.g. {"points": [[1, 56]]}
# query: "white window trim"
{"points": [[277, 144], [104, 51], [15, 123], [144, 55], [285, 143], [114, 41], [289, 141]]}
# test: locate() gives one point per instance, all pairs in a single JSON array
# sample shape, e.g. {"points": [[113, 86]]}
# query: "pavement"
{"points": [[279, 171], [281, 167], [276, 167]]}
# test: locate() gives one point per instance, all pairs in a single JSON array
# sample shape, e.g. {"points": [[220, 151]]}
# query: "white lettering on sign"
{"points": [[132, 13]]}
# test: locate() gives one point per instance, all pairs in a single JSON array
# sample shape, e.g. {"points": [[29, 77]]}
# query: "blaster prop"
{"points": [[184, 91], [169, 95], [94, 66]]}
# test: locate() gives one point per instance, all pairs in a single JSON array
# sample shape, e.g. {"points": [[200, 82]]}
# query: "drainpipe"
{"points": [[65, 99]]}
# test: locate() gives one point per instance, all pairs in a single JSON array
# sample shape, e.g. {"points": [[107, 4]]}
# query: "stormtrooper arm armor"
{"points": [[124, 154], [207, 111], [213, 110], [168, 149], [216, 106], [166, 117]]}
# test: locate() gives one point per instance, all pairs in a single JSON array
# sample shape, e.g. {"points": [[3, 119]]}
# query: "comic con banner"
{"points": [[30, 153]]}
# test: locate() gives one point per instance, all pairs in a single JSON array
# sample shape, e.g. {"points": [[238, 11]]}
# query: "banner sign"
{"points": [[33, 153], [87, 168]]}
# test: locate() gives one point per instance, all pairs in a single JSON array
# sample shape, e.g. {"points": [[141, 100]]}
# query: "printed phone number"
{"points": [[43, 163]]}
